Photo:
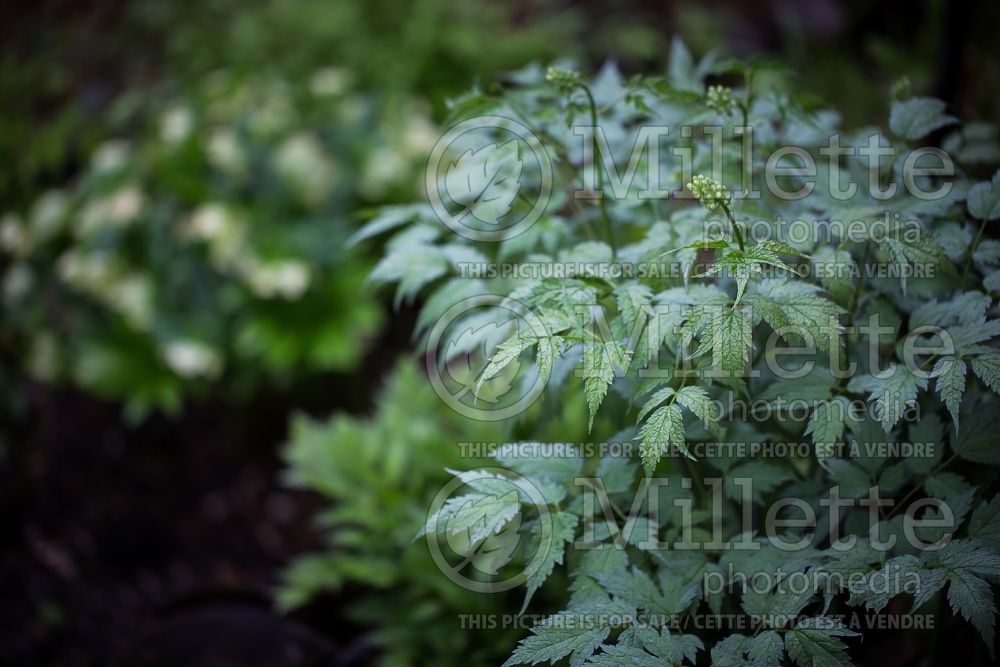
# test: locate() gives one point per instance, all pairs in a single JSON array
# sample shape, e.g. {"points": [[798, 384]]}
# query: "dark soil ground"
{"points": [[157, 546], [162, 545]]}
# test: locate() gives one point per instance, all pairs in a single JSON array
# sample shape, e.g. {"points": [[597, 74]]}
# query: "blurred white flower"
{"points": [[85, 271], [110, 156], [302, 162], [330, 81], [383, 168], [125, 205], [13, 238], [176, 125], [131, 296], [116, 210], [18, 281], [225, 152], [192, 359], [287, 279], [223, 230], [48, 215], [419, 136]]}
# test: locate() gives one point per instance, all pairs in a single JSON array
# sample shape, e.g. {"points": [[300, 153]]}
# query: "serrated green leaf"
{"points": [[766, 649], [654, 401], [797, 311], [950, 383], [568, 633], [815, 643], [826, 425], [971, 597], [664, 428], [599, 373], [561, 527], [892, 393], [985, 523], [987, 368], [983, 199], [696, 399], [917, 117], [977, 440]]}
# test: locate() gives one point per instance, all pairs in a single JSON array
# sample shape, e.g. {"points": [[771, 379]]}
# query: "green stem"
{"points": [[938, 468], [972, 250], [857, 285], [745, 109], [609, 230], [736, 228]]}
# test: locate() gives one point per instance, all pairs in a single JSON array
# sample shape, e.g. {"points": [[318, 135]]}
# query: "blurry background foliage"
{"points": [[379, 475], [210, 244]]}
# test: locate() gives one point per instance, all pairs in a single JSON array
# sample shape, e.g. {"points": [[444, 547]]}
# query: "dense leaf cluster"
{"points": [[737, 295]]}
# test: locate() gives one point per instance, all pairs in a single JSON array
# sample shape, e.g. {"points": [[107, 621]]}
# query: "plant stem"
{"points": [[736, 228], [857, 285], [609, 230], [938, 468], [972, 250]]}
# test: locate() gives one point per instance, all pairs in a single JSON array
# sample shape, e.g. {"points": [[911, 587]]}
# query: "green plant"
{"points": [[379, 474], [207, 248], [880, 278]]}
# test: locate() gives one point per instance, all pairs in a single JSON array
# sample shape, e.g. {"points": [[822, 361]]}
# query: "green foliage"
{"points": [[379, 475], [208, 248], [732, 302]]}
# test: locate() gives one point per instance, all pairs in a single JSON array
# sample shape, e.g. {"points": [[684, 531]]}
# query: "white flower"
{"points": [[13, 238], [191, 359], [287, 279], [209, 221], [131, 296], [302, 162], [711, 193], [48, 215], [18, 281], [218, 226], [116, 210], [110, 156], [86, 271], [329, 81], [383, 168], [225, 152], [720, 99], [419, 137], [175, 125], [125, 205]]}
